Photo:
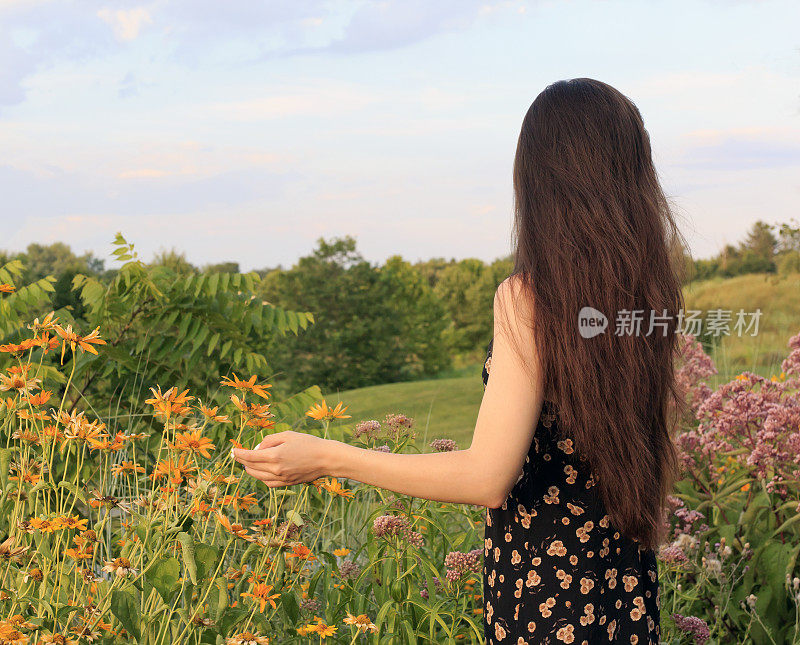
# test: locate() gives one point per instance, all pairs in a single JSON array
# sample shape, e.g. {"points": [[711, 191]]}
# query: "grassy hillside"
{"points": [[448, 407], [443, 408], [778, 297]]}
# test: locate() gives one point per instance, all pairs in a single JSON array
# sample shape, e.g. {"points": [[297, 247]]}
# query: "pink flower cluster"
{"points": [[693, 626], [394, 426], [756, 420], [424, 587], [370, 429], [390, 526], [458, 563], [349, 569], [791, 366], [688, 521], [400, 425], [444, 445], [696, 368], [672, 554]]}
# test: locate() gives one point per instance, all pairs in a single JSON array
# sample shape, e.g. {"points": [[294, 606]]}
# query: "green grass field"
{"points": [[448, 407], [777, 296], [442, 408]]}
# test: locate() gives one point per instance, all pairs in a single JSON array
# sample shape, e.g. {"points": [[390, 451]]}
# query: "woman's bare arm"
{"points": [[482, 474]]}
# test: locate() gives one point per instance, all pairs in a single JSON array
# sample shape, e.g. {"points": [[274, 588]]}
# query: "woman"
{"points": [[571, 451]]}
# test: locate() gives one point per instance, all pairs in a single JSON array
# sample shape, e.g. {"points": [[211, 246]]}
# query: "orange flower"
{"points": [[41, 398], [322, 629], [104, 442], [239, 502], [169, 403], [199, 507], [321, 411], [28, 471], [302, 552], [211, 414], [247, 638], [261, 592], [84, 553], [261, 422], [43, 524], [361, 621], [249, 384], [6, 288], [237, 530], [126, 467], [57, 639], [73, 339], [28, 436], [73, 522], [19, 380], [175, 470], [193, 442], [333, 486], [120, 567], [47, 324], [30, 416], [341, 552]]}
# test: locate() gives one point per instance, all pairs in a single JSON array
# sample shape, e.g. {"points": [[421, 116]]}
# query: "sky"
{"points": [[244, 131]]}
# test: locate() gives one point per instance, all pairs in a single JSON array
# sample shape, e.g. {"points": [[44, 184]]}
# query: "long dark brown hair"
{"points": [[593, 228]]}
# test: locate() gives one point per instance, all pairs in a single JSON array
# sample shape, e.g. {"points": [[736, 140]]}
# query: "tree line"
{"points": [[378, 323]]}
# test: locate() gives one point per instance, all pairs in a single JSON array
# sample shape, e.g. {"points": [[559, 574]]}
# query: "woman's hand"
{"points": [[286, 458]]}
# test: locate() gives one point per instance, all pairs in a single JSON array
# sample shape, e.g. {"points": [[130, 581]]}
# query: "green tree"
{"points": [[222, 267], [161, 327], [467, 290], [59, 261], [372, 324]]}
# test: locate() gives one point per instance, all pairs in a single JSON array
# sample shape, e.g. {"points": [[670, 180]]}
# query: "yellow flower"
{"points": [[321, 411], [322, 629], [341, 552], [73, 522]]}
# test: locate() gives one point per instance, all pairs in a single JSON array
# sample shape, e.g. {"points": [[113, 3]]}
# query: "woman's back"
{"points": [[555, 568]]}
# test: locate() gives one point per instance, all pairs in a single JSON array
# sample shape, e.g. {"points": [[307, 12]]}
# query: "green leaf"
{"points": [[212, 344], [187, 547], [125, 606], [213, 283], [294, 517], [164, 577], [206, 557], [5, 459], [290, 606], [218, 598]]}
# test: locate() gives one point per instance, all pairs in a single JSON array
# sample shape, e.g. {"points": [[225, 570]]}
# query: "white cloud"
{"points": [[126, 23]]}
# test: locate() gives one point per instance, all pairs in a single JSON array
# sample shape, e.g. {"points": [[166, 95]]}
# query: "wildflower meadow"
{"points": [[139, 527]]}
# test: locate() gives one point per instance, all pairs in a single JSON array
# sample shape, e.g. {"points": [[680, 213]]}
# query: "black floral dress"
{"points": [[555, 569]]}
